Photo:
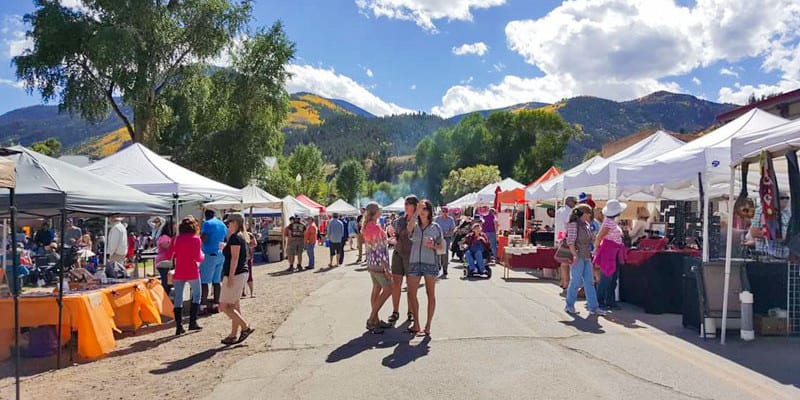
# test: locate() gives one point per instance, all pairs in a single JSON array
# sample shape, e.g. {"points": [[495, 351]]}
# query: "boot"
{"points": [[193, 318], [178, 321]]}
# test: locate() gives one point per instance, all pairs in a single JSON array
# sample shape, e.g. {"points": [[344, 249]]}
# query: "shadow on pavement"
{"points": [[405, 353], [366, 341], [588, 324], [775, 357], [187, 362]]}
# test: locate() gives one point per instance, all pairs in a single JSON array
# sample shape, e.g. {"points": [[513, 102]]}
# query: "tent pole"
{"points": [[706, 219], [105, 243], [15, 273], [60, 287], [728, 254]]}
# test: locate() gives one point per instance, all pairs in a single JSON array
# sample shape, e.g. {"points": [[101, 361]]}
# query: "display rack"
{"points": [[793, 299]]}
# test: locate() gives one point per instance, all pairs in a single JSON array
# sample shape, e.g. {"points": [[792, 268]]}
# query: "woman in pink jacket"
{"points": [[188, 256], [610, 251]]}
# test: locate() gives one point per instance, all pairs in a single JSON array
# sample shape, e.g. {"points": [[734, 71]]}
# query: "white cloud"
{"points": [[477, 48], [697, 81], [621, 49], [413, 87], [12, 83], [14, 38], [728, 72], [328, 83], [425, 12], [369, 73], [499, 67], [740, 93], [72, 3]]}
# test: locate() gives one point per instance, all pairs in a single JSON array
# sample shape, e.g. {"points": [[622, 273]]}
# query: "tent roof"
{"points": [[141, 168], [8, 174], [554, 188], [310, 203], [466, 200], [398, 205], [342, 207], [674, 173], [487, 194], [597, 178], [551, 173], [514, 196], [252, 197], [45, 186], [777, 139]]}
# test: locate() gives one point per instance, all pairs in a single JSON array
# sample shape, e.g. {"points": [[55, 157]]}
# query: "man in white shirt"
{"points": [[561, 221], [117, 243]]}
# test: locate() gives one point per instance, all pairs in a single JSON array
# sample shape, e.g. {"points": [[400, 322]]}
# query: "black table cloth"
{"points": [[768, 283], [657, 285]]}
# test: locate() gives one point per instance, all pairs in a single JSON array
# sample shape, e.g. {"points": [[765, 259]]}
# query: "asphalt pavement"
{"points": [[491, 339]]}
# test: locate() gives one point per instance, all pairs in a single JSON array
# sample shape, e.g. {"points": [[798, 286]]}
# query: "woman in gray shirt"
{"points": [[427, 239]]}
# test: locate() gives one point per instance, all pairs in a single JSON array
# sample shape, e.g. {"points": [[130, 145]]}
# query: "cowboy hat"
{"points": [[614, 208]]}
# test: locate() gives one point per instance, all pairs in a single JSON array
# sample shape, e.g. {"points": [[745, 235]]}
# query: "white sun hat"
{"points": [[614, 208]]}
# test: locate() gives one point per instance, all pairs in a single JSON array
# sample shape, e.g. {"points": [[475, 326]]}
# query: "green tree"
{"points": [[225, 124], [110, 53], [49, 147], [381, 167], [306, 161], [467, 180], [350, 179], [278, 181], [590, 154]]}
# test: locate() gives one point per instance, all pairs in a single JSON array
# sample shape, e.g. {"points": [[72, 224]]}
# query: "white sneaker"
{"points": [[598, 312]]}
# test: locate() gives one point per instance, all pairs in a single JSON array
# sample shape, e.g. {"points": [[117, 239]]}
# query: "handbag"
{"points": [[563, 253]]}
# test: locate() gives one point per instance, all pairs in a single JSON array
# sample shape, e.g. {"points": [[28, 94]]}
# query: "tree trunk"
{"points": [[144, 121]]}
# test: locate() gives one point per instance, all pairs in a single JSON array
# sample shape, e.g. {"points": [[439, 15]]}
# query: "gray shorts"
{"points": [[295, 247], [399, 264], [420, 269]]}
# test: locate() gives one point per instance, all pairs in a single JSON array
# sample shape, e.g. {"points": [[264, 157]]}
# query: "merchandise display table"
{"points": [[655, 281], [529, 258], [93, 314]]}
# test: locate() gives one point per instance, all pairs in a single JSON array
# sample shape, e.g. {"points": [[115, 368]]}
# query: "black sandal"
{"points": [[410, 318], [228, 341], [393, 318], [244, 334]]}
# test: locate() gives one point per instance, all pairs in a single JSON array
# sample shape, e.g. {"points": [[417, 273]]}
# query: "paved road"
{"points": [[491, 340]]}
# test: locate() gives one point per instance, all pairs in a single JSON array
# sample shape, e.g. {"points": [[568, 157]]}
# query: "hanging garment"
{"points": [[793, 230], [744, 209], [770, 198]]}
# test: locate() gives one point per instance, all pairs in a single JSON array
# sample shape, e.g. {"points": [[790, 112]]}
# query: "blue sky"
{"points": [[455, 56]]}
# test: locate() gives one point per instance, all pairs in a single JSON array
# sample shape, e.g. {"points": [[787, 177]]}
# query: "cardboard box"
{"points": [[770, 326]]}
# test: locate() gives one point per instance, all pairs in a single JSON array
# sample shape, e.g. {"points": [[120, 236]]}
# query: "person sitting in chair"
{"points": [[476, 245]]}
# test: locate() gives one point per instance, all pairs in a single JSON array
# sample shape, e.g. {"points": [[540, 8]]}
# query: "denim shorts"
{"points": [[211, 268], [420, 269]]}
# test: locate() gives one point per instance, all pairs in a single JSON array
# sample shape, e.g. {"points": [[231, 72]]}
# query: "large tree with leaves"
{"points": [[468, 180], [306, 161], [350, 180], [94, 59]]}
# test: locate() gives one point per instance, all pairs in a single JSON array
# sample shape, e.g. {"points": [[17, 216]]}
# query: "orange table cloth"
{"points": [[94, 315]]}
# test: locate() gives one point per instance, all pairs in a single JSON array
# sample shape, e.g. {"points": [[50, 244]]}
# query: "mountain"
{"points": [[32, 124], [308, 109], [485, 113]]}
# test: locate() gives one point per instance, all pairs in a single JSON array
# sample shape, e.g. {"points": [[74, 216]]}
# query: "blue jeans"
{"points": [[606, 289], [310, 252], [580, 274], [475, 261], [194, 286], [493, 240]]}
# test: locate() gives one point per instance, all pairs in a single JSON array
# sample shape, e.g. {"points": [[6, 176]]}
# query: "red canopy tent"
{"points": [[549, 174], [310, 203]]}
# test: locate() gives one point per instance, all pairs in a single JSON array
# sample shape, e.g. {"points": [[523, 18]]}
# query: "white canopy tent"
{"points": [[287, 207], [777, 140], [396, 206], [600, 178], [665, 176], [554, 188], [142, 169], [252, 197], [342, 207], [467, 200], [486, 195]]}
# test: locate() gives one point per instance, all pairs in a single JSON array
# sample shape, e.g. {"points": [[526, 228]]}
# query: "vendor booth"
{"points": [[311, 203], [775, 149], [48, 188], [341, 207]]}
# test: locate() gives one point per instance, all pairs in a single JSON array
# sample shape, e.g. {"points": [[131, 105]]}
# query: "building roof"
{"points": [[788, 97]]}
